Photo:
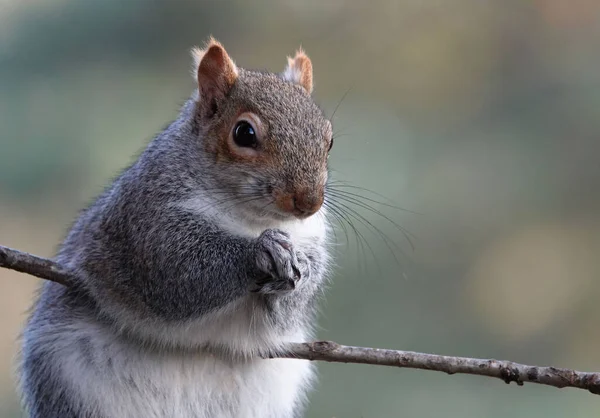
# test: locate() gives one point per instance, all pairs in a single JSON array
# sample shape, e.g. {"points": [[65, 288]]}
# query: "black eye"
{"points": [[330, 145], [244, 135]]}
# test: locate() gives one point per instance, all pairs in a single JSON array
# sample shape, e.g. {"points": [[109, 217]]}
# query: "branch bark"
{"points": [[507, 371], [35, 266]]}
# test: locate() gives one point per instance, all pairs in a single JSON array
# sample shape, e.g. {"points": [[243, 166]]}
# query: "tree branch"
{"points": [[507, 371], [35, 266]]}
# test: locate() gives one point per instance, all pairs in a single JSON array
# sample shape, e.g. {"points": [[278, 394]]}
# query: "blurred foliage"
{"points": [[482, 116]]}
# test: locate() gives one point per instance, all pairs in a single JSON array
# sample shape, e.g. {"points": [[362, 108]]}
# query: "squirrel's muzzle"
{"points": [[302, 203]]}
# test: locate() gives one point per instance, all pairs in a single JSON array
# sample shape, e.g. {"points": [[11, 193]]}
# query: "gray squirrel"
{"points": [[204, 256]]}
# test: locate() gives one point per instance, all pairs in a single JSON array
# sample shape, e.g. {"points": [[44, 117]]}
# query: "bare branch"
{"points": [[35, 266], [507, 371]]}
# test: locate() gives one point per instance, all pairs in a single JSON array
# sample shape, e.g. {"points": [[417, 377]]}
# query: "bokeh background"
{"points": [[482, 116]]}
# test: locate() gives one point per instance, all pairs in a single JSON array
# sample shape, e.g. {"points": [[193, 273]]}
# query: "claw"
{"points": [[297, 273], [279, 259]]}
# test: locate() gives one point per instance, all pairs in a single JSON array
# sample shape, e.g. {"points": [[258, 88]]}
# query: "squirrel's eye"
{"points": [[330, 145], [244, 134]]}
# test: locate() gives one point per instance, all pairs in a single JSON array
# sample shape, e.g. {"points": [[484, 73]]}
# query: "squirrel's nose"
{"points": [[306, 204], [302, 203]]}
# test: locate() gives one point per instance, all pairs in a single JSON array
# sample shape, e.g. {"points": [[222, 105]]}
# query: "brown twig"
{"points": [[507, 371], [35, 266]]}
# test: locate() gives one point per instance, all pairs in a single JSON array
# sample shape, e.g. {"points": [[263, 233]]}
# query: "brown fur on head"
{"points": [[286, 168]]}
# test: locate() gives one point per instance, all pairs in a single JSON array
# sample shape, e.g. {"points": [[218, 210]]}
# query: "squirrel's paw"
{"points": [[282, 265]]}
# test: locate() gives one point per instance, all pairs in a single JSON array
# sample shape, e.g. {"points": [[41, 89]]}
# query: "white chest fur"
{"points": [[314, 227], [209, 388], [127, 382]]}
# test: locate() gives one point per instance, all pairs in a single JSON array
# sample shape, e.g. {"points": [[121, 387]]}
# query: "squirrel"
{"points": [[202, 258]]}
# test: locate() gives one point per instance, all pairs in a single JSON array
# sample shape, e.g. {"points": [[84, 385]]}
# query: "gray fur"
{"points": [[169, 294]]}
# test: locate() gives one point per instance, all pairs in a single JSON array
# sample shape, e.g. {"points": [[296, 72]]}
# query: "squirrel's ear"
{"points": [[299, 70], [214, 71]]}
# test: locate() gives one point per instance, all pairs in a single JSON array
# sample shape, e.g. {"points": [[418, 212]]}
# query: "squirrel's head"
{"points": [[262, 132]]}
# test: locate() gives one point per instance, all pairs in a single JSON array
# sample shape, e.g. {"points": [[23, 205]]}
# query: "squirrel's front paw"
{"points": [[282, 266]]}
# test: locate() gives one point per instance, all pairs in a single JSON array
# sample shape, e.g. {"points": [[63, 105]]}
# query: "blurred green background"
{"points": [[483, 116]]}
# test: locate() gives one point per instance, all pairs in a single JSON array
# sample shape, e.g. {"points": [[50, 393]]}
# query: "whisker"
{"points": [[361, 241], [334, 187], [335, 237], [407, 234], [339, 103], [340, 223], [242, 202], [236, 199], [369, 225], [270, 202]]}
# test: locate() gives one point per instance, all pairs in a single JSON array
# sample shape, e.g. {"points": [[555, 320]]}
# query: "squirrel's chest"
{"points": [[307, 232], [203, 387]]}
